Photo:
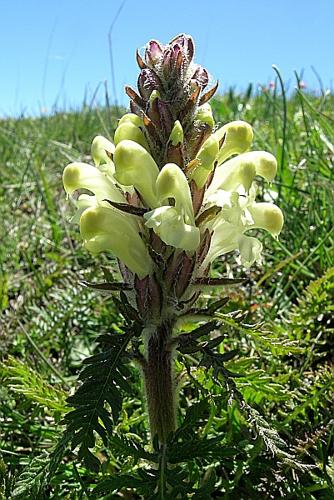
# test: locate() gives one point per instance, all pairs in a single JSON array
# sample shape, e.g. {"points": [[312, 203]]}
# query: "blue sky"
{"points": [[56, 51]]}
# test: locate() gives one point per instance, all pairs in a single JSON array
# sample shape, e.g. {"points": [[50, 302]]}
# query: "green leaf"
{"points": [[104, 379]]}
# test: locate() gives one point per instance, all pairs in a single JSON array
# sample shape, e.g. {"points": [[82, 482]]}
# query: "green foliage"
{"points": [[105, 379], [256, 402], [21, 379], [311, 319]]}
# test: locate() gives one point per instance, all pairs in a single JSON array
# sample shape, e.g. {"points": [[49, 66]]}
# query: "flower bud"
{"points": [[106, 229], [167, 62], [153, 52], [267, 216], [148, 81], [165, 116], [176, 136], [201, 76], [237, 136], [136, 167], [186, 44], [206, 156], [127, 130], [154, 95], [83, 176], [204, 115], [102, 150], [178, 58], [131, 117]]}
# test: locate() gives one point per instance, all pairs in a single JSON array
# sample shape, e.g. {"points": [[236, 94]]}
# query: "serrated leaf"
{"points": [[128, 447], [115, 484], [196, 448], [104, 380]]}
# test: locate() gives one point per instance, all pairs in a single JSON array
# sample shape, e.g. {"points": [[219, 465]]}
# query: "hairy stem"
{"points": [[160, 384]]}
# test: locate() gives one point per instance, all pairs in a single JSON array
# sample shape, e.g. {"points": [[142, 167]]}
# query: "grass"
{"points": [[49, 323]]}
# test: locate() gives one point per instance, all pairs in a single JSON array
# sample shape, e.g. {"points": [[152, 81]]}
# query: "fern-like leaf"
{"points": [[104, 382], [22, 379]]}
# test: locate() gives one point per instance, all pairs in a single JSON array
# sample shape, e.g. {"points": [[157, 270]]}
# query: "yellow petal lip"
{"points": [[250, 249], [169, 225], [175, 225]]}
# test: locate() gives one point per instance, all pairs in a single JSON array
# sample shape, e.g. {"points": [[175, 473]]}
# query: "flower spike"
{"points": [[169, 198]]}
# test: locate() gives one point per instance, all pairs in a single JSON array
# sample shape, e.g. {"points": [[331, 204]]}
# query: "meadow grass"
{"points": [[49, 322]]}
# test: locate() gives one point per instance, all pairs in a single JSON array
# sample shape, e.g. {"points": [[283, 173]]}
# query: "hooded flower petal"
{"points": [[172, 183], [128, 130], [204, 115], [136, 167], [267, 216], [131, 117], [106, 229], [241, 171], [83, 176], [102, 150], [237, 137], [206, 157]]}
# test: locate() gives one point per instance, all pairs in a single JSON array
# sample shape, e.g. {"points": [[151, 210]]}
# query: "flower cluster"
{"points": [[171, 194], [172, 183]]}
